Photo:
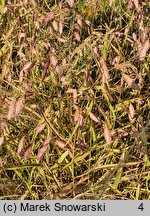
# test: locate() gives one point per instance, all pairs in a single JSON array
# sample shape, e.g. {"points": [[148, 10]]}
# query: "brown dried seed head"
{"points": [[70, 154], [107, 134], [131, 112], [134, 36], [47, 141], [49, 17], [130, 4], [20, 145], [76, 36], [27, 66], [104, 68], [136, 3], [75, 96], [78, 116], [127, 79], [37, 24], [34, 3], [50, 30], [1, 162], [27, 153], [53, 60], [21, 35], [143, 50], [11, 110], [130, 82], [1, 140], [19, 105], [70, 2], [2, 125], [40, 127], [56, 26], [60, 144], [79, 21], [93, 117], [41, 152], [111, 2], [60, 25], [45, 69]]}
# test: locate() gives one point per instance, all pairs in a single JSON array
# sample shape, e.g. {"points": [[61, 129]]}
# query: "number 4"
{"points": [[141, 207]]}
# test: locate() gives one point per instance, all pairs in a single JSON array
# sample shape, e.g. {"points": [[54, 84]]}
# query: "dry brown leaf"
{"points": [[131, 112], [107, 134], [104, 68], [19, 105], [20, 145], [143, 50], [11, 110], [27, 153], [40, 127], [93, 117], [60, 144], [76, 36], [41, 152]]}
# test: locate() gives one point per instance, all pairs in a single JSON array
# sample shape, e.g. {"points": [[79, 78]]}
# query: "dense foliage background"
{"points": [[74, 99]]}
